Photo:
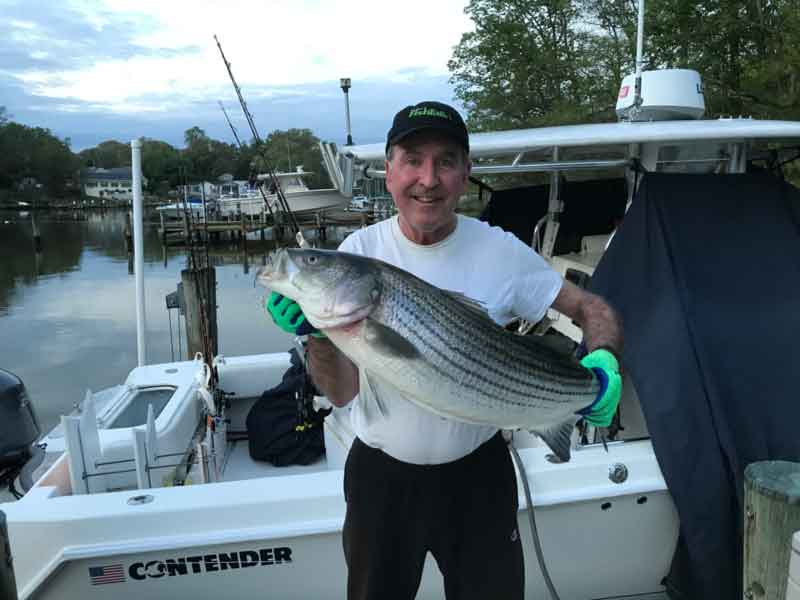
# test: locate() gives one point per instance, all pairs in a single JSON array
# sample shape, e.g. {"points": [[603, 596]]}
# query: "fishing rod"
{"points": [[241, 146], [274, 182], [233, 129], [199, 259]]}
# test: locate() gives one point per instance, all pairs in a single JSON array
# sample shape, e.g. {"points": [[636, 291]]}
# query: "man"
{"points": [[416, 482]]}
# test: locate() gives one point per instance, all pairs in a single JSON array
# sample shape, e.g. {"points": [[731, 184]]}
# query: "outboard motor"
{"points": [[19, 427]]}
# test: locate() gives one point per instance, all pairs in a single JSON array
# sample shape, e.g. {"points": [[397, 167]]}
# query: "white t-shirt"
{"points": [[481, 262]]}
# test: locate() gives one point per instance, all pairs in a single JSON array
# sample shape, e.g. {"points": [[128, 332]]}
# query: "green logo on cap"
{"points": [[428, 112]]}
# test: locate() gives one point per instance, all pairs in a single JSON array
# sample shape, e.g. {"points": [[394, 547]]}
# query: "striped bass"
{"points": [[436, 348]]}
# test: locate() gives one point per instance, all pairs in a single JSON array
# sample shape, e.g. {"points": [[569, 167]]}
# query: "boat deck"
{"points": [[237, 465]]}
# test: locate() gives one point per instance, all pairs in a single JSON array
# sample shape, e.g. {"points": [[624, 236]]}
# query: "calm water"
{"points": [[68, 316]]}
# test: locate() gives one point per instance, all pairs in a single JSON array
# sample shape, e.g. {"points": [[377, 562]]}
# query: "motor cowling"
{"points": [[19, 427]]}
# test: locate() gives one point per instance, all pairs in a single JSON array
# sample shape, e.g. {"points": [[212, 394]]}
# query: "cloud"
{"points": [[55, 36], [94, 70]]}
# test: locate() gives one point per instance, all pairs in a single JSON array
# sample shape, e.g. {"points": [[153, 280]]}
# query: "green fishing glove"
{"points": [[288, 315], [605, 366]]}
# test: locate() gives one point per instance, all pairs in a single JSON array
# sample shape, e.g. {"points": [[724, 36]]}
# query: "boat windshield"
{"points": [[135, 411]]}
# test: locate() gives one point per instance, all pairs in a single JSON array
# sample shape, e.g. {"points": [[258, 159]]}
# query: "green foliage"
{"points": [[161, 166], [34, 154], [286, 150], [541, 62], [106, 155]]}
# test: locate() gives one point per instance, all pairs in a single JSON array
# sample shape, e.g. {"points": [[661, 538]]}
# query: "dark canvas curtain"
{"points": [[705, 272], [590, 208]]}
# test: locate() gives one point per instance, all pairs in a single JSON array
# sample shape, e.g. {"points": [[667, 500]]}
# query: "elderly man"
{"points": [[416, 482]]}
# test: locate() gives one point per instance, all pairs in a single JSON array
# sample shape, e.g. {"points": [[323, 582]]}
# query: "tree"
{"points": [[287, 150], [160, 165], [4, 116], [525, 64], [539, 62], [34, 152], [110, 154], [746, 52], [198, 154]]}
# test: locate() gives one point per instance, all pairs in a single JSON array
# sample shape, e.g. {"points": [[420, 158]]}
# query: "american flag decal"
{"points": [[106, 574]]}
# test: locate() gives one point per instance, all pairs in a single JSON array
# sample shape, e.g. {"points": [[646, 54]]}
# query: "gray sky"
{"points": [[118, 69]]}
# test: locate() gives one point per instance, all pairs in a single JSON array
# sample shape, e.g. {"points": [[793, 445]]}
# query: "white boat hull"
{"points": [[284, 534], [299, 202], [177, 211], [280, 529]]}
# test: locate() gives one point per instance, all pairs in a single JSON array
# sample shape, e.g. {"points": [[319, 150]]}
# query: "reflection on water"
{"points": [[67, 313]]}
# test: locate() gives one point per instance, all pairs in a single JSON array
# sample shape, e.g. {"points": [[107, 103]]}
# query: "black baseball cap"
{"points": [[428, 115]]}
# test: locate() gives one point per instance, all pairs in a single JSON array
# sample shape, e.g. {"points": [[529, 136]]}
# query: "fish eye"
{"points": [[312, 259]]}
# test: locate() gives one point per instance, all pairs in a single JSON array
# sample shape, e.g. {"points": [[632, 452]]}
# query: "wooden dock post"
{"points": [[37, 238], [8, 584], [187, 232], [128, 234], [207, 278], [243, 234], [163, 229], [772, 516]]}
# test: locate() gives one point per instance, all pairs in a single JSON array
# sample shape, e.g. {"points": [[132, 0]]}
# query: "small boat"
{"points": [[299, 197], [192, 206]]}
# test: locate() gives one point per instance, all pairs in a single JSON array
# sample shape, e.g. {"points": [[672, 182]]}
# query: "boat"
{"points": [[149, 488], [109, 506], [194, 200], [299, 197], [176, 210]]}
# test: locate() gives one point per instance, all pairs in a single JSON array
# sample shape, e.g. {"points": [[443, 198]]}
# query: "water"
{"points": [[68, 315]]}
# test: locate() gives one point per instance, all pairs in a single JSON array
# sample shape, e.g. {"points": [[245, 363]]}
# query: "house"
{"points": [[114, 184]]}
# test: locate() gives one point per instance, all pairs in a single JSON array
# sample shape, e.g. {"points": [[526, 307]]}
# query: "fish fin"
{"points": [[371, 384], [558, 438], [382, 338], [471, 303]]}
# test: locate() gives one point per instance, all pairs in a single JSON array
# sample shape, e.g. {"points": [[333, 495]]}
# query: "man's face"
{"points": [[426, 176]]}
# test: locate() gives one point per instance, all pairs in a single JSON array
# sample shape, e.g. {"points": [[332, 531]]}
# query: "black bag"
{"points": [[282, 426]]}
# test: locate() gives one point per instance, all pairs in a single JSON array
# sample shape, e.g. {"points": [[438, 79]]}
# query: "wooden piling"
{"points": [[187, 232], [163, 229], [127, 234], [772, 516], [207, 278], [37, 238]]}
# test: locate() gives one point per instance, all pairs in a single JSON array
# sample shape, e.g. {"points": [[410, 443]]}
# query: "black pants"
{"points": [[463, 512]]}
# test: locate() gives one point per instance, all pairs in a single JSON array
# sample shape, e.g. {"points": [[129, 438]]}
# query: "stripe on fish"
{"points": [[434, 347]]}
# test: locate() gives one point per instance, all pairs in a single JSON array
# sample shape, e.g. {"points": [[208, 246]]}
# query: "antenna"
{"points": [[637, 94], [274, 181]]}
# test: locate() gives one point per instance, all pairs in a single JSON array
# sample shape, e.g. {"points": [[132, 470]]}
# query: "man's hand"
{"points": [[288, 315], [605, 365]]}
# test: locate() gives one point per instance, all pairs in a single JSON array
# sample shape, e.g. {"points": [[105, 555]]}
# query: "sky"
{"points": [[98, 70]]}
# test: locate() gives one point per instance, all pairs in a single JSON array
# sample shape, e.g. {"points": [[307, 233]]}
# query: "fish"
{"points": [[437, 348]]}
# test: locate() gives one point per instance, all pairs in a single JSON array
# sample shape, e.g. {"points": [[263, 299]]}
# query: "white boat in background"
{"points": [[300, 198], [154, 493], [194, 200], [176, 210]]}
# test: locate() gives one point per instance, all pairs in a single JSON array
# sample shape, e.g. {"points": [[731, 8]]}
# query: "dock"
{"points": [[178, 232]]}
